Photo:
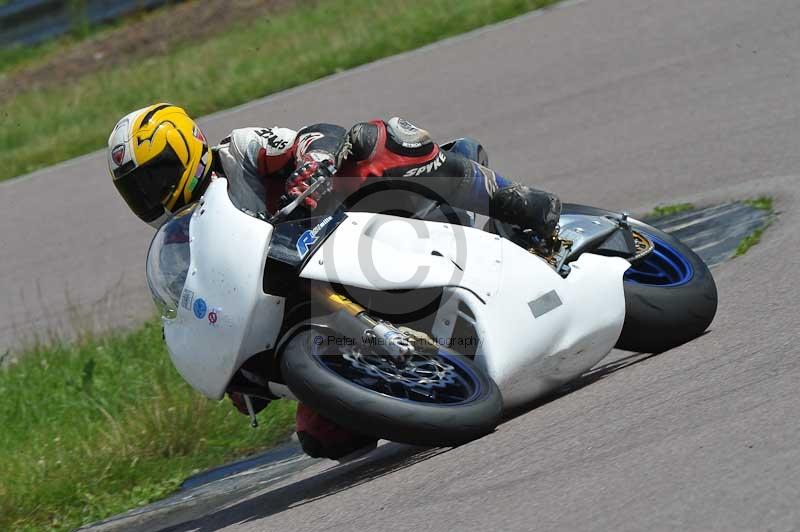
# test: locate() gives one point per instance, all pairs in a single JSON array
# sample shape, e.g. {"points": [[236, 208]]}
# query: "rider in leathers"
{"points": [[160, 161]]}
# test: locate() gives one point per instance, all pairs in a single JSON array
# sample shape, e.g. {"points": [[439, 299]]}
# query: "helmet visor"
{"points": [[145, 188]]}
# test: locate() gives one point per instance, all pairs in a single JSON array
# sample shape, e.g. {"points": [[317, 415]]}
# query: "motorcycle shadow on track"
{"points": [[593, 375], [384, 460]]}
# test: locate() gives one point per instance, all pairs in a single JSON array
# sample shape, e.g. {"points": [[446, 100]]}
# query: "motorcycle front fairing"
{"points": [[221, 315], [535, 329]]}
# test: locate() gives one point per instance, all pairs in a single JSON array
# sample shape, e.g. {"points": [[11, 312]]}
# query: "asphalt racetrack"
{"points": [[622, 104]]}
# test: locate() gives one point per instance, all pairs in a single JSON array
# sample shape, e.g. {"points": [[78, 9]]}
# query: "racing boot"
{"points": [[533, 211], [321, 438]]}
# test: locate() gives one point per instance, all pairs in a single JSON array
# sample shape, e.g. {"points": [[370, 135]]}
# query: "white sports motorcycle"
{"points": [[408, 329]]}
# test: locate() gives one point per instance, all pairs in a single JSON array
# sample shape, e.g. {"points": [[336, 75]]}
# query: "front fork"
{"points": [[353, 319], [347, 318]]}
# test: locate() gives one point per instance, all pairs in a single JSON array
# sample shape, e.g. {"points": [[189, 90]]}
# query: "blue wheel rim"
{"points": [[466, 385], [665, 266]]}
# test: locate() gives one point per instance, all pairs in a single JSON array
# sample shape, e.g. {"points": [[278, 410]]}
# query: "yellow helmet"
{"points": [[159, 160]]}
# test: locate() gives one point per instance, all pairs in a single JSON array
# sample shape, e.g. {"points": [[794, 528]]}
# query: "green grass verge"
{"points": [[295, 46], [764, 203], [98, 428], [667, 210], [750, 241], [17, 56]]}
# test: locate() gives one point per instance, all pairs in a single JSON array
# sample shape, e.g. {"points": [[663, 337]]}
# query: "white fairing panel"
{"points": [[383, 252], [537, 330], [540, 330], [224, 317]]}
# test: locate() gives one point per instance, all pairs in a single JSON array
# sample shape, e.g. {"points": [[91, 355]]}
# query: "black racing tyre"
{"points": [[670, 295], [344, 385]]}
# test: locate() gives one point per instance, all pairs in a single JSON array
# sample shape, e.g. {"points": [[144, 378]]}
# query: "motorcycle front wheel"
{"points": [[430, 398]]}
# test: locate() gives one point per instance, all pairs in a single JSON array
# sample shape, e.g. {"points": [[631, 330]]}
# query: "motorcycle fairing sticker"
{"points": [[544, 304], [199, 307], [309, 237], [293, 241], [187, 298]]}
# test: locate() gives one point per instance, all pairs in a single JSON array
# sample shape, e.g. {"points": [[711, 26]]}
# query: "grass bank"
{"points": [[660, 211], [764, 203], [92, 430], [16, 55], [294, 46]]}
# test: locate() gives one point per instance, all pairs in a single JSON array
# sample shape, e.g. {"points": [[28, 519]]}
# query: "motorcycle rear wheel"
{"points": [[444, 400], [670, 294]]}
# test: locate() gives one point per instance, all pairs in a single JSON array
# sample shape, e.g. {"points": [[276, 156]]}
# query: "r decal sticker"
{"points": [[310, 236], [305, 240]]}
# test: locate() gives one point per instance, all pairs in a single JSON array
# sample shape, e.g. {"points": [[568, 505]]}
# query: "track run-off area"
{"points": [[622, 104]]}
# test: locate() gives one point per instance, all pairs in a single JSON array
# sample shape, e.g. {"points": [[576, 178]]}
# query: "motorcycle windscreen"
{"points": [[168, 262]]}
